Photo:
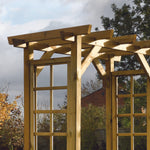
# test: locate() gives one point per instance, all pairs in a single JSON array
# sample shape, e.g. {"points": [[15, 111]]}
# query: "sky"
{"points": [[26, 16]]}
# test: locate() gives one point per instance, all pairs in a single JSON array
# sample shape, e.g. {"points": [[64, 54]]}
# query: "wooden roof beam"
{"points": [[42, 44], [122, 43], [63, 50], [59, 49], [125, 49], [53, 34], [124, 39], [94, 36], [115, 41], [49, 43], [129, 43], [19, 43], [131, 48], [142, 44]]}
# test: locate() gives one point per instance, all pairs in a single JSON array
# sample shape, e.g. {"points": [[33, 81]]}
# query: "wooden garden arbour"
{"points": [[78, 42]]}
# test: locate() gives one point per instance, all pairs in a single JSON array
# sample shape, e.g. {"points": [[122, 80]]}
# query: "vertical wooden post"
{"points": [[35, 107], [108, 86], [74, 97], [114, 113], [51, 106], [148, 114], [28, 55], [31, 105], [132, 112]]}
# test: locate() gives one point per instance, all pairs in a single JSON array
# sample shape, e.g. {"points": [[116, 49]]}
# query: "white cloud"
{"points": [[93, 10], [11, 59], [66, 13]]}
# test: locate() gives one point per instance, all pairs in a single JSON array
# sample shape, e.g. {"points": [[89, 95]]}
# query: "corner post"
{"points": [[108, 86], [74, 97], [28, 55]]}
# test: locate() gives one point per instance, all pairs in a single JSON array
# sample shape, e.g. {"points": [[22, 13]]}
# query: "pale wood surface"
{"points": [[50, 88], [132, 112], [88, 59], [51, 106], [50, 134], [128, 72], [31, 107], [28, 55], [86, 29], [99, 67], [64, 111], [74, 98], [93, 46], [108, 86], [117, 46], [114, 112], [62, 60]]}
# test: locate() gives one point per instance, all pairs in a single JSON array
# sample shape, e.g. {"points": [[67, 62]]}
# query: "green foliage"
{"points": [[59, 125], [140, 105], [123, 20], [93, 117], [138, 145], [130, 19]]}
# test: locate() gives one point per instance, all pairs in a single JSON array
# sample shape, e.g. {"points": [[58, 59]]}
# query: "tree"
{"points": [[130, 19], [12, 128], [5, 108], [92, 119]]}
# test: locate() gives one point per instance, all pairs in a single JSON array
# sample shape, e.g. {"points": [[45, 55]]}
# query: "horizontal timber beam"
{"points": [[92, 37], [62, 60], [50, 111], [50, 88], [127, 39], [125, 49], [128, 72], [142, 44], [40, 36], [50, 134]]}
